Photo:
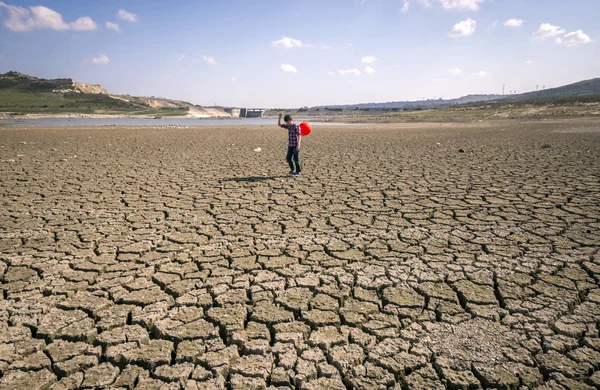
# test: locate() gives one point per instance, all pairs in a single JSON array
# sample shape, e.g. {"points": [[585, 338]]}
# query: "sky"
{"points": [[292, 53]]}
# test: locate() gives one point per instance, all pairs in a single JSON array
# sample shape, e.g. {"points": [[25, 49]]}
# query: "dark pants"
{"points": [[292, 153]]}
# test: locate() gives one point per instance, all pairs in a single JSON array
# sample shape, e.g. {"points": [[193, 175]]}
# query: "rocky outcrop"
{"points": [[90, 88]]}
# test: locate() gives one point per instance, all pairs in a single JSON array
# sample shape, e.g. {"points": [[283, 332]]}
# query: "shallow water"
{"points": [[81, 122]]}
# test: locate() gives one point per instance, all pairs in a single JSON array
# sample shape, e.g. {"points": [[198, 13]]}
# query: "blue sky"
{"points": [[294, 53]]}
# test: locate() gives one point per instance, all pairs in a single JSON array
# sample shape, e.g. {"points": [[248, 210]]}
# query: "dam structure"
{"points": [[245, 112]]}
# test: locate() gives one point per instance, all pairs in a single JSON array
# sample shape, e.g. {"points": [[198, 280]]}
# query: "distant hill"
{"points": [[23, 94], [429, 103], [585, 88]]}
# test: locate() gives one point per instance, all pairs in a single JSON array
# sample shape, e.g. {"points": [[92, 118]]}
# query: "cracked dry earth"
{"points": [[177, 258]]}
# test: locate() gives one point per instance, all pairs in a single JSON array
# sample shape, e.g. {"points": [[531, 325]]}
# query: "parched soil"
{"points": [[407, 256]]}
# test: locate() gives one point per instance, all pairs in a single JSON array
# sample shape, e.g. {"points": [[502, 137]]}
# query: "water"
{"points": [[81, 122]]}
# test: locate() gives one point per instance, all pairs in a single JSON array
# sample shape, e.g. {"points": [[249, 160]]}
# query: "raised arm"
{"points": [[279, 120]]}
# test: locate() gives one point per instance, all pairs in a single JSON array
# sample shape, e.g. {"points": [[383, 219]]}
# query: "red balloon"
{"points": [[305, 129]]}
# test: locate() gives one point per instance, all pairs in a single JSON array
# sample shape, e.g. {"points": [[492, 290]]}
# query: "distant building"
{"points": [[245, 112], [254, 112]]}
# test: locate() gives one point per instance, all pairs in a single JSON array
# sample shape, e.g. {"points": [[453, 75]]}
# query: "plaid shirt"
{"points": [[293, 134]]}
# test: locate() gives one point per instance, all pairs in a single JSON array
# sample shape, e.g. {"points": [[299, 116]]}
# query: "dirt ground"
{"points": [[407, 256]]}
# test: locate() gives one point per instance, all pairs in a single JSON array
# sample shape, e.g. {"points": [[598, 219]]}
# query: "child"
{"points": [[294, 141]]}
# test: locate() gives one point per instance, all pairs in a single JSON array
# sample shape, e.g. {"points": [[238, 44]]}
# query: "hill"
{"points": [[23, 94], [582, 89], [429, 103]]}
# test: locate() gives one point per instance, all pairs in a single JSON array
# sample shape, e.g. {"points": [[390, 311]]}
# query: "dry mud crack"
{"points": [[180, 258]]}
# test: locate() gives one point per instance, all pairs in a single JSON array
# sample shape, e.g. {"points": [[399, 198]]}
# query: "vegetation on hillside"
{"points": [[22, 94], [564, 108], [587, 89]]}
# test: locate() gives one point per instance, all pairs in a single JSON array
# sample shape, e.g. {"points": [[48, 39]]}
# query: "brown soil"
{"points": [[171, 258]]}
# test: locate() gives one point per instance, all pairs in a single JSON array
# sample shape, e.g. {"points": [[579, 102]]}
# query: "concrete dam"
{"points": [[245, 112]]}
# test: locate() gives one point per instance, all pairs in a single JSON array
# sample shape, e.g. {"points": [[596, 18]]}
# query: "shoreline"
{"points": [[6, 116], [436, 116]]}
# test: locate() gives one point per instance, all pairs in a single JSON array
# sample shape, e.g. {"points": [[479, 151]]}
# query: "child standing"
{"points": [[294, 141]]}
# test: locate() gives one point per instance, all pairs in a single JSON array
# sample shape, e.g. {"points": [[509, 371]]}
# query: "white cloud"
{"points": [[233, 80], [472, 5], [514, 23], [351, 72], [463, 29], [84, 24], [127, 16], [325, 47], [574, 38], [209, 60], [547, 31], [405, 6], [330, 73], [528, 62], [21, 19], [368, 59], [43, 17], [113, 26], [18, 18], [100, 60], [369, 70], [181, 57], [455, 71], [288, 43], [481, 74], [289, 68]]}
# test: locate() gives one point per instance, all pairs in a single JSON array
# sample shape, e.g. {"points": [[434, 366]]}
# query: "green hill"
{"points": [[21, 94], [588, 89], [581, 89]]}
